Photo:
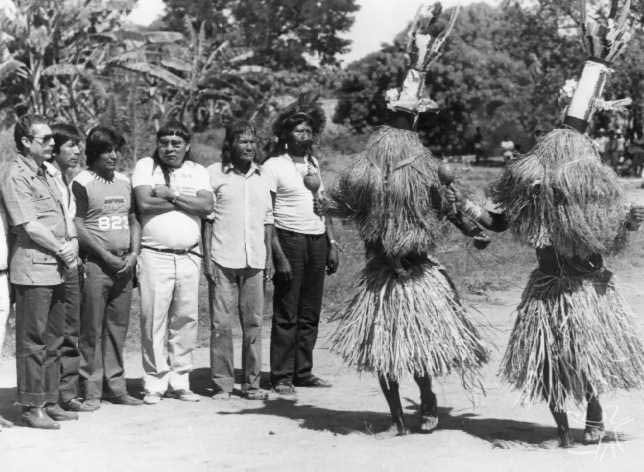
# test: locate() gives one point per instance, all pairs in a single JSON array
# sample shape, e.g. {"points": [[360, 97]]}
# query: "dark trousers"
{"points": [[297, 305], [69, 353], [40, 321], [236, 292], [105, 314]]}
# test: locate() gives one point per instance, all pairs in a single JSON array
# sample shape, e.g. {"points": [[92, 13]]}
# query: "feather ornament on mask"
{"points": [[559, 193]]}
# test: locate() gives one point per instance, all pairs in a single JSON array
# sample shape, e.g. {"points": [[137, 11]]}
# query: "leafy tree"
{"points": [[280, 32], [53, 52], [501, 70]]}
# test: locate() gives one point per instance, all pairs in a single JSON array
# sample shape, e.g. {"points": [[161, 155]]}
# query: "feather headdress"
{"points": [[603, 41], [559, 193], [425, 39]]}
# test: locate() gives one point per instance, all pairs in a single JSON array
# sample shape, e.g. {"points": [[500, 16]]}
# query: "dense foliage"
{"points": [[501, 71]]}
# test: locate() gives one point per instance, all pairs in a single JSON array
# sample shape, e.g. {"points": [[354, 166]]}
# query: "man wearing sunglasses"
{"points": [[40, 251]]}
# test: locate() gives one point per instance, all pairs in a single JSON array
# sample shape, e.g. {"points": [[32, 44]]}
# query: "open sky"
{"points": [[377, 21]]}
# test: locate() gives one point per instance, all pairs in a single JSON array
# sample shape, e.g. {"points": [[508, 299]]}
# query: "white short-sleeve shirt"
{"points": [[293, 210], [171, 229]]}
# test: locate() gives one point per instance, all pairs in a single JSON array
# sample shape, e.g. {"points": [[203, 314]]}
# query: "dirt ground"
{"points": [[337, 428]]}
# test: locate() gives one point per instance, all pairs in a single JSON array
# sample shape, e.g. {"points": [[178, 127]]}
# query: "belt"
{"points": [[91, 255], [293, 233], [178, 252]]}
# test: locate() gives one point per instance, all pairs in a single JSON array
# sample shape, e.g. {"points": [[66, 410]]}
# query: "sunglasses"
{"points": [[43, 139]]}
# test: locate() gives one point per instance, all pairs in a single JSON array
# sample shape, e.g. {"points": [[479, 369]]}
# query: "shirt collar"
{"points": [[52, 169], [229, 167], [29, 163]]}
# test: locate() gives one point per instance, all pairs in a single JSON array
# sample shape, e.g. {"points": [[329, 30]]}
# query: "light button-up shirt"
{"points": [[242, 208]]}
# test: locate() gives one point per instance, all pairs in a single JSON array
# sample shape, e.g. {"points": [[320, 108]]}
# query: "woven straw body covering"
{"points": [[573, 335], [560, 194], [392, 192], [414, 324]]}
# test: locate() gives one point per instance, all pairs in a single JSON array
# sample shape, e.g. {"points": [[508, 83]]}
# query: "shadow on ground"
{"points": [[200, 382], [7, 408], [500, 433]]}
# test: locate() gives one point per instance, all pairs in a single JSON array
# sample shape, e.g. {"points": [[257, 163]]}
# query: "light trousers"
{"points": [[236, 293], [169, 289]]}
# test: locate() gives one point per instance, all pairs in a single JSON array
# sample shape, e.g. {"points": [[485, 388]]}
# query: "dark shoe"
{"points": [[284, 388], [76, 404], [5, 423], [58, 414], [125, 399], [312, 381], [36, 417]]}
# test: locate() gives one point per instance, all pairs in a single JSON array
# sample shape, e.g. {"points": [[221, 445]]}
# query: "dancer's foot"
{"points": [[428, 423], [396, 429], [428, 404], [594, 431], [594, 434]]}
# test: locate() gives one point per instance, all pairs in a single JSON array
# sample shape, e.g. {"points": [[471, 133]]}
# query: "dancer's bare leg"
{"points": [[594, 431], [391, 390], [428, 407], [561, 418]]}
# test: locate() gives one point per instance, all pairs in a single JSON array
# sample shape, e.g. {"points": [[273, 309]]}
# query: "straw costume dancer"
{"points": [[574, 336], [406, 315]]}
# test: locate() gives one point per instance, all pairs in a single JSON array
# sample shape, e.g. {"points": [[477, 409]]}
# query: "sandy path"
{"points": [[331, 429], [324, 429]]}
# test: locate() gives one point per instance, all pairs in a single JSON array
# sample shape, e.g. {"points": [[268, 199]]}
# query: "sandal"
{"points": [[255, 394]]}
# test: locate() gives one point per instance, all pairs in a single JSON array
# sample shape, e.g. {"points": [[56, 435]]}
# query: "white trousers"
{"points": [[169, 289]]}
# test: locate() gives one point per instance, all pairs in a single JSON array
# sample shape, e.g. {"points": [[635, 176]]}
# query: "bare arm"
{"points": [[282, 264], [89, 243], [161, 199], [206, 241], [333, 257], [135, 245], [268, 240], [147, 202], [135, 234]]}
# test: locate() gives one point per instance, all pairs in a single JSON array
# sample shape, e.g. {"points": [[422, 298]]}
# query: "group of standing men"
{"points": [[78, 244]]}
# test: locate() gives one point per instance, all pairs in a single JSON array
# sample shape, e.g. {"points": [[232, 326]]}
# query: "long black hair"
{"points": [[170, 128], [233, 131]]}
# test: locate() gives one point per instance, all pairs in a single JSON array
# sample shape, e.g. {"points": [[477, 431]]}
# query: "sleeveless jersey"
{"points": [[105, 207]]}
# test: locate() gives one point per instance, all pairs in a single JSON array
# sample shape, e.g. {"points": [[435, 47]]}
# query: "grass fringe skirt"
{"points": [[416, 324], [572, 335]]}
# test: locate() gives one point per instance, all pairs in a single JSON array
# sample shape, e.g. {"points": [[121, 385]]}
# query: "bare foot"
{"points": [[428, 423], [393, 431], [594, 435]]}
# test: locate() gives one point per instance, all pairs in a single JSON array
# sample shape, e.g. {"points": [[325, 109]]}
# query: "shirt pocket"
{"points": [[38, 258], [44, 205]]}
